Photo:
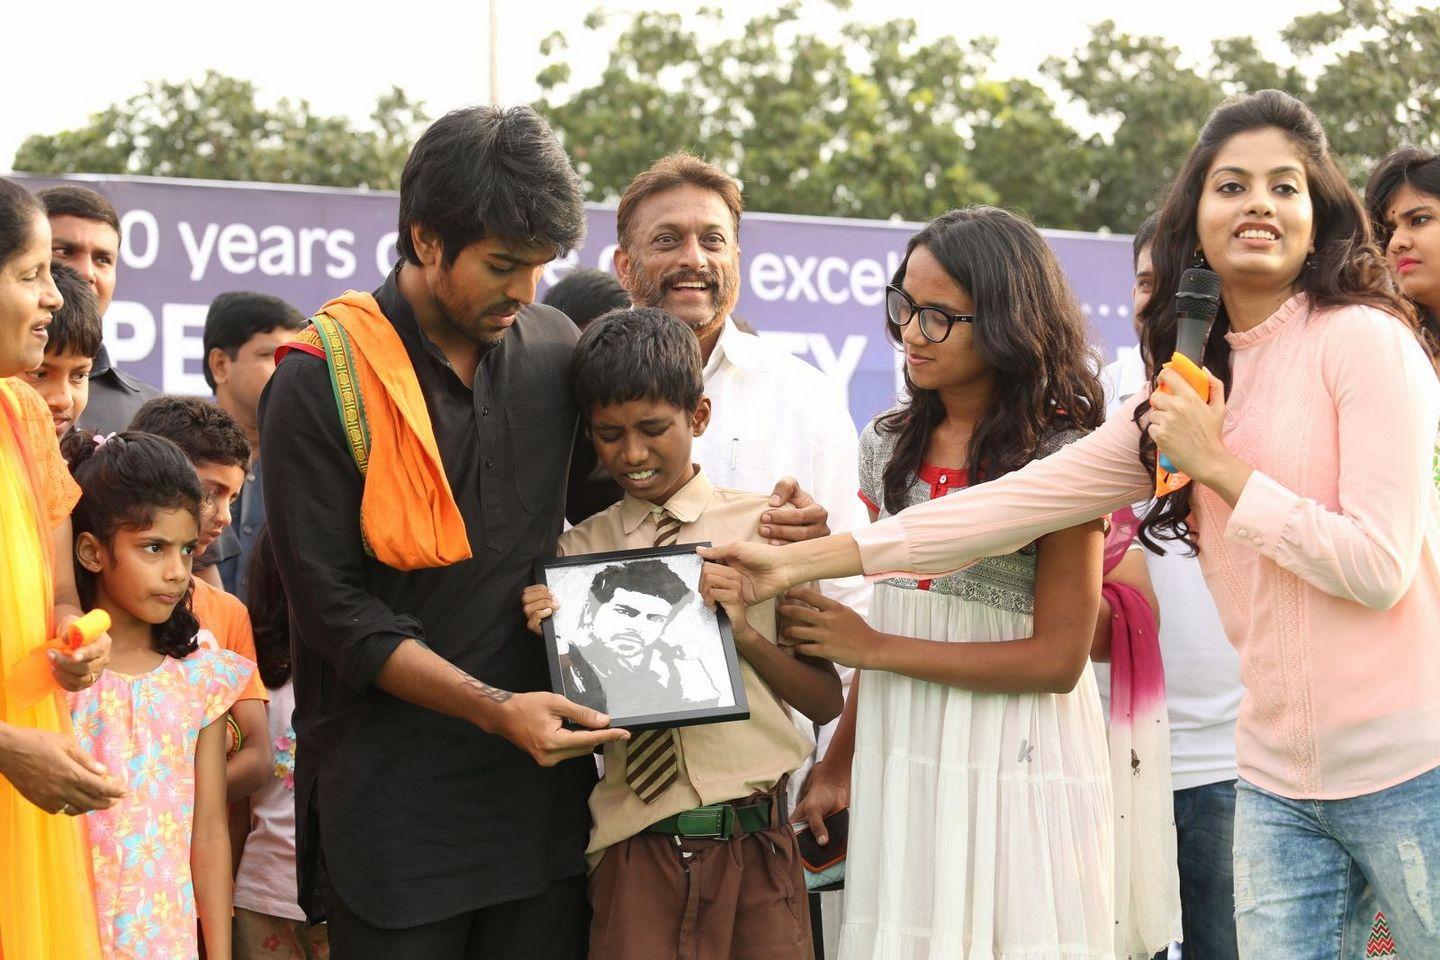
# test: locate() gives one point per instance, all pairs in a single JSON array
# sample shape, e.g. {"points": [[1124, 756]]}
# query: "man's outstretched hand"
{"points": [[534, 722]]}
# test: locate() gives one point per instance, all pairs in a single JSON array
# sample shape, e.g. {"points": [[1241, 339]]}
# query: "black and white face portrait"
{"points": [[633, 637], [630, 621]]}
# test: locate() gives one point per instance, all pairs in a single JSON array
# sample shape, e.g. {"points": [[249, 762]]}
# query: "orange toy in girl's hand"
{"points": [[85, 630], [33, 679]]}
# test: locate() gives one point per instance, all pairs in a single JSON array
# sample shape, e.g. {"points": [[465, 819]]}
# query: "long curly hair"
{"points": [[1028, 326], [123, 484], [1347, 268]]}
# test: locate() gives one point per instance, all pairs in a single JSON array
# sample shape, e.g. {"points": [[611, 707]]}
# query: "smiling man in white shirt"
{"points": [[773, 414]]}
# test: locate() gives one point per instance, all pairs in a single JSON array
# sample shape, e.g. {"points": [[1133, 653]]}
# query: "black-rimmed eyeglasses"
{"points": [[935, 323]]}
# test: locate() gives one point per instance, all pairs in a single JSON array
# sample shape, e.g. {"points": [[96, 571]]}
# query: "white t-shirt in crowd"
{"points": [[266, 881], [773, 415], [1202, 669], [1122, 377]]}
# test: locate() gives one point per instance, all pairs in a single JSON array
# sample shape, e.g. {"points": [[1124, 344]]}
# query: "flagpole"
{"points": [[494, 52]]}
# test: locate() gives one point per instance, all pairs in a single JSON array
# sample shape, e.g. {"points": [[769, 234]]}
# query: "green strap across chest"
{"points": [[348, 399], [328, 335]]}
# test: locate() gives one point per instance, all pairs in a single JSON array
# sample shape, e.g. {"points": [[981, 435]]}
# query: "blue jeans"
{"points": [[1309, 873], [1205, 833]]}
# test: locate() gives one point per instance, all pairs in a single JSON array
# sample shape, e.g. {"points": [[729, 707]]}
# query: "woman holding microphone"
{"points": [[1312, 508]]}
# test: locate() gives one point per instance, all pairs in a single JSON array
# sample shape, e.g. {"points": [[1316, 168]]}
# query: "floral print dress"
{"points": [[145, 729]]}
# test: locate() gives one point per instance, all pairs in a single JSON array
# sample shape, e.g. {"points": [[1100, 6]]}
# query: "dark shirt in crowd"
{"points": [[421, 816], [115, 397]]}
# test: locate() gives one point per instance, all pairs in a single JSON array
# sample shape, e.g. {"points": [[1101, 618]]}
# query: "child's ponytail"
{"points": [[78, 446]]}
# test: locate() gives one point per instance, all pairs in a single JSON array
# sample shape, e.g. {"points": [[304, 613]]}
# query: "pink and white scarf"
{"points": [[1147, 881]]}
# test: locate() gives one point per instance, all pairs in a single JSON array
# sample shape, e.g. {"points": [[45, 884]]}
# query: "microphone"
{"points": [[1197, 300]]}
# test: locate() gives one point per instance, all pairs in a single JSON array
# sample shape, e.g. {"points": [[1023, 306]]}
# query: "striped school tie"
{"points": [[652, 762]]}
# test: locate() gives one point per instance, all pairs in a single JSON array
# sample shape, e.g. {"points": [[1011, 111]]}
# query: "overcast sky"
{"points": [[342, 56]]}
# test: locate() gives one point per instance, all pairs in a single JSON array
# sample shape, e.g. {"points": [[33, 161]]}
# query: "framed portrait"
{"points": [[632, 639]]}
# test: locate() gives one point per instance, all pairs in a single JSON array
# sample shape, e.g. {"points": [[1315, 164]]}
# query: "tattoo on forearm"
{"points": [[479, 686], [485, 690]]}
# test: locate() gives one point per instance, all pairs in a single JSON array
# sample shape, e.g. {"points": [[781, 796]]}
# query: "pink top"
{"points": [[1327, 572], [266, 882]]}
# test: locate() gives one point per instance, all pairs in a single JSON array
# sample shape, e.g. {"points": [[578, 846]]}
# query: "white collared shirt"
{"points": [[773, 415]]}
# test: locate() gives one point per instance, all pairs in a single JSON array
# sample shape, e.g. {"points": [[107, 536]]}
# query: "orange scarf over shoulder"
{"points": [[408, 516]]}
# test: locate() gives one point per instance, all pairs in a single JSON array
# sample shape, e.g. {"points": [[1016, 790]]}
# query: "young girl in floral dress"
{"points": [[161, 856]]}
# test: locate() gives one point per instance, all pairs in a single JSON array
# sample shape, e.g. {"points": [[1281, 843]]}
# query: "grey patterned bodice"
{"points": [[1006, 582]]}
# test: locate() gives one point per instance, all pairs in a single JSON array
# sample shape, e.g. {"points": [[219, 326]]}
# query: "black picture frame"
{"points": [[549, 572]]}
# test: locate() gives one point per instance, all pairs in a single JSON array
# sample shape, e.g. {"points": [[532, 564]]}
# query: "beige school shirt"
{"points": [[717, 761]]}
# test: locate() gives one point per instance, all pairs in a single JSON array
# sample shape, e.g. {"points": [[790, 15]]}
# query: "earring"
{"points": [[1198, 261]]}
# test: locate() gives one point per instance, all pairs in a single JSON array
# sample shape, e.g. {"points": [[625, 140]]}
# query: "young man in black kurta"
{"points": [[440, 803]]}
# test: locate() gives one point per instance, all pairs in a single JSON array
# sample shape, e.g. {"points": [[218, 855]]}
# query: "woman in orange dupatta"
{"points": [[46, 900]]}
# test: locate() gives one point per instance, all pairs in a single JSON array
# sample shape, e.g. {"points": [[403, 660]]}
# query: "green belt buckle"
{"points": [[715, 822]]}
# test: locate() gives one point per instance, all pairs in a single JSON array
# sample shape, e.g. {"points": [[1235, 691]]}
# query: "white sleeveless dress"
{"points": [[980, 822]]}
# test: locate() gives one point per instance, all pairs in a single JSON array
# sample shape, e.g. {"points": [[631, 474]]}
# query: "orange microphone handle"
{"points": [[1193, 374], [1167, 478]]}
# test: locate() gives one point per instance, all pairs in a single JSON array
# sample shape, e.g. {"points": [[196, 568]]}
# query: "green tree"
{"points": [[868, 121], [1154, 105], [863, 120], [1368, 73], [629, 111], [214, 128], [1033, 160], [1379, 87]]}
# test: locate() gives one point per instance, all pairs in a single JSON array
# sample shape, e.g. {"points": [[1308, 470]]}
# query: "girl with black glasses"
{"points": [[972, 750]]}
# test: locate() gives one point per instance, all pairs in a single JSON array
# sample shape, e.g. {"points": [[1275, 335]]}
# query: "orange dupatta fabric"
{"points": [[47, 899], [408, 516]]}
